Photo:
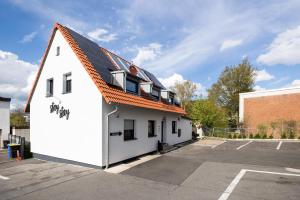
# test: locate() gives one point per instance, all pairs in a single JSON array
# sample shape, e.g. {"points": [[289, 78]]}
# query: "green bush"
{"points": [[292, 135], [264, 136], [244, 136], [251, 135], [299, 137], [257, 136], [230, 136], [271, 136], [239, 136], [234, 136], [283, 136]]}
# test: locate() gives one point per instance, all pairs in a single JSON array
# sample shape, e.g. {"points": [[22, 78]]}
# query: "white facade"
{"points": [[121, 150], [82, 137], [4, 121]]}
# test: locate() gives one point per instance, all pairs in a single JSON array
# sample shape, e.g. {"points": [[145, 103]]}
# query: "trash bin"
{"points": [[12, 150]]}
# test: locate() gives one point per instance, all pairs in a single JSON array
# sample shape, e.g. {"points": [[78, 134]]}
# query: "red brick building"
{"points": [[277, 110]]}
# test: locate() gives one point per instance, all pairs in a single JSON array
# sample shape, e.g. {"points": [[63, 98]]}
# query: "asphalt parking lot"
{"points": [[202, 170]]}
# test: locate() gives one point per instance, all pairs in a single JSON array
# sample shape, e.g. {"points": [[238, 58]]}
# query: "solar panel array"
{"points": [[102, 63]]}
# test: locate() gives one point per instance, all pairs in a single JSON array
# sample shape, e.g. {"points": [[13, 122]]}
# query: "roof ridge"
{"points": [[109, 93]]}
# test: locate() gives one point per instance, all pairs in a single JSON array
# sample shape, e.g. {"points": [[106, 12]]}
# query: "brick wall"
{"points": [[267, 109]]}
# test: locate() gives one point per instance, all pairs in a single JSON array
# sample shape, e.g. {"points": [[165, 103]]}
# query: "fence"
{"points": [[261, 132]]}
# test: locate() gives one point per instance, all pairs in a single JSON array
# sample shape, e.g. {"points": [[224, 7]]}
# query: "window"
{"points": [[151, 128], [57, 50], [49, 90], [132, 86], [174, 124], [67, 84], [128, 129], [155, 93]]}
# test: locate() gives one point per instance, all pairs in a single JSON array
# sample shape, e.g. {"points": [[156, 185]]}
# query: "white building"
{"points": [[4, 119], [90, 106]]}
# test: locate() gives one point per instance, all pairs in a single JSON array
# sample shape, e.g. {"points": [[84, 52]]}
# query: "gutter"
{"points": [[107, 138]]}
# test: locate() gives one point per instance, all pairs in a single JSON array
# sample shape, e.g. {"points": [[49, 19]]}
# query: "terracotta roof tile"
{"points": [[110, 93]]}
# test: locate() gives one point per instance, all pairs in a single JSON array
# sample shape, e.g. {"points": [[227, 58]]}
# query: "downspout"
{"points": [[107, 135]]}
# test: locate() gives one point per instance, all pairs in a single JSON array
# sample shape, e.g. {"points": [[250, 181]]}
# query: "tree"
{"points": [[185, 92], [232, 81], [17, 119], [208, 114]]}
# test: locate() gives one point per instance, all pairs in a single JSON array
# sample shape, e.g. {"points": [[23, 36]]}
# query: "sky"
{"points": [[176, 40]]}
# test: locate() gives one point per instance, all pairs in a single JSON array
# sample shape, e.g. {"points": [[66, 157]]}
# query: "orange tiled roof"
{"points": [[109, 93]]}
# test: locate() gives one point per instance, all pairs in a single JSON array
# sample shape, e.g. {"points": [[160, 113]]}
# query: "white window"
{"points": [[128, 129], [67, 83], [155, 93], [57, 50], [49, 87]]}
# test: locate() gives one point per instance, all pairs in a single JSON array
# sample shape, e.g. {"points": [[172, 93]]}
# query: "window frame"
{"points": [[125, 137], [49, 87], [174, 127], [134, 82], [153, 123], [57, 50], [158, 92], [66, 89]]}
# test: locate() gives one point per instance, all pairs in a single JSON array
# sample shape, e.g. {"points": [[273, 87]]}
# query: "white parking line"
{"points": [[240, 175], [232, 185], [292, 170], [279, 145], [244, 145], [4, 177], [214, 146]]}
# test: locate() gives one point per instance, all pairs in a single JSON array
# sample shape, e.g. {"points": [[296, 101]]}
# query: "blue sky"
{"points": [[176, 40]]}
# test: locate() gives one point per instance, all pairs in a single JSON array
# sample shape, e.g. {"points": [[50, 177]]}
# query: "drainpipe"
{"points": [[107, 138]]}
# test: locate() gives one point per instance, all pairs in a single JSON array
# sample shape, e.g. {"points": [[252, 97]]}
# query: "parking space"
{"points": [[257, 170], [20, 178], [231, 145], [259, 145], [290, 146], [266, 185]]}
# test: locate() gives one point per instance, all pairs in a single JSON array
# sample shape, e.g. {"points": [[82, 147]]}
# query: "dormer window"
{"points": [[132, 86], [155, 93]]}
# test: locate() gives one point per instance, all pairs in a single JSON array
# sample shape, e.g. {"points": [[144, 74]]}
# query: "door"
{"points": [[162, 132]]}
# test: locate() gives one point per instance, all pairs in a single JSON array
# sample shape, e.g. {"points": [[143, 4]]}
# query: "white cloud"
{"points": [[102, 35], [227, 44], [16, 78], [294, 83], [263, 75], [29, 37], [147, 53], [258, 88], [284, 49], [171, 80]]}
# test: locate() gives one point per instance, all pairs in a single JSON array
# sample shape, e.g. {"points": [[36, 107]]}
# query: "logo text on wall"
{"points": [[61, 111]]}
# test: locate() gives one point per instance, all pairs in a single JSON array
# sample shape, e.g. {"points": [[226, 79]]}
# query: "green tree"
{"points": [[232, 81], [208, 114], [17, 119], [185, 92]]}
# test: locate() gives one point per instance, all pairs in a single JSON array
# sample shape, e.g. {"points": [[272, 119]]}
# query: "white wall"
{"points": [[79, 138], [4, 121], [121, 150]]}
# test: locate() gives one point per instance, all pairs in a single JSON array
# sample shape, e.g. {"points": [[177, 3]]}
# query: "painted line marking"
{"points": [[240, 175], [244, 145], [279, 145], [232, 185], [4, 177], [292, 170], [214, 146]]}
